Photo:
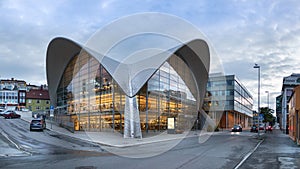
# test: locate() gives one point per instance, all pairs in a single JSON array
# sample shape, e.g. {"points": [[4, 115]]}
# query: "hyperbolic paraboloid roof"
{"points": [[131, 49]]}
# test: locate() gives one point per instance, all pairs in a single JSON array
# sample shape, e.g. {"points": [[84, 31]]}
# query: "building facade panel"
{"points": [[294, 118]]}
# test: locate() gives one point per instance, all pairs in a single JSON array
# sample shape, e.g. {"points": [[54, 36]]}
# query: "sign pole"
{"points": [[51, 114]]}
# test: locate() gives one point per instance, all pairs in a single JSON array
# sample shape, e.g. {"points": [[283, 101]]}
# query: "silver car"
{"points": [[37, 124]]}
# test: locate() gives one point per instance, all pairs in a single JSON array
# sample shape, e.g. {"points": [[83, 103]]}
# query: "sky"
{"points": [[241, 32]]}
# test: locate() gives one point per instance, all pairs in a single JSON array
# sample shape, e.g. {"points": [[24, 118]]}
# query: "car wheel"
{"points": [[30, 129]]}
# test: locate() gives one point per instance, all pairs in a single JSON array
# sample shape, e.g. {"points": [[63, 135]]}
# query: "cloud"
{"points": [[241, 32]]}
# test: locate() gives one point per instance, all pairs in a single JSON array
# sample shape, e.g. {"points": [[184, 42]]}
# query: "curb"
{"points": [[248, 154]]}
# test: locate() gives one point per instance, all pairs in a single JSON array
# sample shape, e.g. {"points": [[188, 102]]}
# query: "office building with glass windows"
{"points": [[102, 93], [228, 102]]}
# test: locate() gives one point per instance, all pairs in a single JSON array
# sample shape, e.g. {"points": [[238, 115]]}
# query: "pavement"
{"points": [[277, 150], [116, 139]]}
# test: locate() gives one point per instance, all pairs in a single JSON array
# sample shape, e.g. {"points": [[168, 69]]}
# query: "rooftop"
{"points": [[38, 94]]}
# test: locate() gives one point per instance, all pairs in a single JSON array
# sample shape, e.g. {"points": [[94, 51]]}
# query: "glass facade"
{"points": [[89, 99], [228, 102], [227, 93], [9, 97]]}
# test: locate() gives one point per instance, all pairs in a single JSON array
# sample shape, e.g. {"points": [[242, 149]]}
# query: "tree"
{"points": [[268, 115]]}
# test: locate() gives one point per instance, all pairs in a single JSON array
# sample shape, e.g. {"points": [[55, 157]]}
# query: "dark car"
{"points": [[5, 112], [37, 124], [262, 127], [254, 128], [237, 128], [269, 128], [11, 114]]}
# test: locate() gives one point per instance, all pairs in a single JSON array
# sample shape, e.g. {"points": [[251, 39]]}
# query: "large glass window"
{"points": [[88, 98]]}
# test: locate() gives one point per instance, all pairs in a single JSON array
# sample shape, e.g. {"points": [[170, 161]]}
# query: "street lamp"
{"points": [[256, 66], [268, 99]]}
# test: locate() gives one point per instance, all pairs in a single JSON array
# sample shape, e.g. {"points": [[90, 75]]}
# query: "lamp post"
{"points": [[256, 66], [268, 99]]}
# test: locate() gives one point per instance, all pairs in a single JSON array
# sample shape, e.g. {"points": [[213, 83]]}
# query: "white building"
{"points": [[288, 85], [12, 92]]}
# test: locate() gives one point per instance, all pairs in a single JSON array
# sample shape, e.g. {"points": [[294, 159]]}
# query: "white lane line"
{"points": [[15, 144], [6, 136], [248, 155]]}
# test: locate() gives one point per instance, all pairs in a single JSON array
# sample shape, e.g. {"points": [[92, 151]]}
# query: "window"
{"points": [[38, 101], [29, 100], [47, 102]]}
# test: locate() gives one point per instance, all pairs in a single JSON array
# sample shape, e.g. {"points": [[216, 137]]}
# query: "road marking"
{"points": [[6, 136], [248, 155], [15, 144], [12, 155]]}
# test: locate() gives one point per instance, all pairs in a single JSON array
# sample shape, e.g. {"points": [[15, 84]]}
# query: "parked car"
{"points": [[10, 114], [6, 112], [3, 112], [37, 124], [262, 127], [269, 128], [254, 128], [39, 114], [237, 128]]}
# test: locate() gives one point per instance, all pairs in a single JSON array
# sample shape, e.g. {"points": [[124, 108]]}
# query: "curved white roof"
{"points": [[131, 51]]}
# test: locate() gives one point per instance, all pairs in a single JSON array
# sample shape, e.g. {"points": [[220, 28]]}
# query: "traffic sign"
{"points": [[51, 111], [261, 117]]}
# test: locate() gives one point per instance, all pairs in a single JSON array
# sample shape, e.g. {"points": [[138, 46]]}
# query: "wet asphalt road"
{"points": [[50, 150], [45, 142]]}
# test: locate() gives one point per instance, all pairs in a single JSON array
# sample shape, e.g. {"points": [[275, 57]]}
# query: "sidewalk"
{"points": [[276, 151], [115, 139]]}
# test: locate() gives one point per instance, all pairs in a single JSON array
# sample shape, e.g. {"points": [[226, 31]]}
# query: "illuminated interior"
{"points": [[89, 99]]}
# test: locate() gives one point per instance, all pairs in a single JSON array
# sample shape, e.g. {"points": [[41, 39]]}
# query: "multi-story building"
{"points": [[288, 85], [228, 102], [30, 86], [12, 84], [255, 118], [12, 93], [38, 100], [294, 115], [278, 108], [131, 96]]}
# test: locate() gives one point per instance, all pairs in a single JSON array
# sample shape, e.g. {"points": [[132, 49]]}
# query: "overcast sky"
{"points": [[242, 33]]}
